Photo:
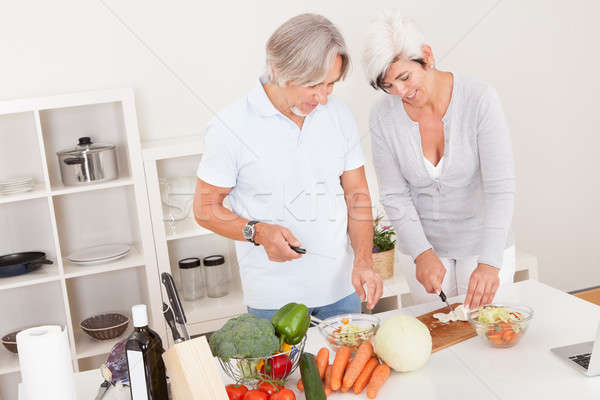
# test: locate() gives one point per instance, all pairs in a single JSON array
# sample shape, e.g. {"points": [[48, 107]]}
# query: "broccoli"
{"points": [[246, 336]]}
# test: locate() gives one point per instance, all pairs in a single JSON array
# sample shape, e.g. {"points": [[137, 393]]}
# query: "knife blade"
{"points": [[176, 306], [171, 322], [300, 250], [445, 300], [104, 386]]}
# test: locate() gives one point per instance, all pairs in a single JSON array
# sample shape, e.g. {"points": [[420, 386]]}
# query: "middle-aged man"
{"points": [[289, 159]]}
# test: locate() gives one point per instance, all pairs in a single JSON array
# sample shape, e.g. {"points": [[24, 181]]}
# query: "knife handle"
{"points": [[298, 250], [443, 296], [171, 322], [176, 306]]}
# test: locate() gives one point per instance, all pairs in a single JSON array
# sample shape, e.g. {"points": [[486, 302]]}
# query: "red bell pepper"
{"points": [[277, 367]]}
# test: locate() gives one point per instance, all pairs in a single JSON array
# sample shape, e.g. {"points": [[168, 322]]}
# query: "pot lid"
{"points": [[86, 145]]}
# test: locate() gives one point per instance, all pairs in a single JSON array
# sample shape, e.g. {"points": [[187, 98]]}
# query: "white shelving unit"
{"points": [[174, 241], [58, 219]]}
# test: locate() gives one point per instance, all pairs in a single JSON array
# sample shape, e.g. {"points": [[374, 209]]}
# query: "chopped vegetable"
{"points": [[350, 335]]}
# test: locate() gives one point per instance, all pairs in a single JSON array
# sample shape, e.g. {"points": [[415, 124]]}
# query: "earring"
{"points": [[431, 66]]}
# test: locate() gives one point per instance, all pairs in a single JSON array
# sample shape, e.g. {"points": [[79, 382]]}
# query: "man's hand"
{"points": [[276, 240], [364, 274], [483, 285], [430, 271]]}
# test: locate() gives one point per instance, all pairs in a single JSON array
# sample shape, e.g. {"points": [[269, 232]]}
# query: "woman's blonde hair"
{"points": [[390, 37]]}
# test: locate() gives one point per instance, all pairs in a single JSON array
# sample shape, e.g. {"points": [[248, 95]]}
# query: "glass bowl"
{"points": [[348, 330], [503, 333]]}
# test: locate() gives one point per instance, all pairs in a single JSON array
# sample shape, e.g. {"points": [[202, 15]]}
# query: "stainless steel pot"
{"points": [[88, 163]]}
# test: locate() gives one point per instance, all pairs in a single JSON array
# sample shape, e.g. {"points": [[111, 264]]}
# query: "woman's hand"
{"points": [[483, 284], [276, 240], [430, 271]]}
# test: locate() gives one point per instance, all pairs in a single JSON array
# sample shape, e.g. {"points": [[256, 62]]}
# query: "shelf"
{"points": [[395, 286], [88, 347], [186, 228], [61, 190], [132, 260], [38, 191], [208, 308], [9, 362], [172, 147], [45, 274]]}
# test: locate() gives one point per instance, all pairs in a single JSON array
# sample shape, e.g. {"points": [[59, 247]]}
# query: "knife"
{"points": [[176, 306], [445, 300], [103, 389], [171, 322], [300, 250]]}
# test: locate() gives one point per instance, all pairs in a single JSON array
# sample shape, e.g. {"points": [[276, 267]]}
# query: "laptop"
{"points": [[584, 357]]}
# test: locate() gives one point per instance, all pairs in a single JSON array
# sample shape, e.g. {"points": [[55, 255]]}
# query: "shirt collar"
{"points": [[259, 100]]}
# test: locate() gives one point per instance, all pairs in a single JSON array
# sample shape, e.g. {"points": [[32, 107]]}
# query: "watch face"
{"points": [[248, 232]]}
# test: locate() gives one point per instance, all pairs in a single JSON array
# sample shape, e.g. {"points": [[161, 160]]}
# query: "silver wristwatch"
{"points": [[249, 231]]}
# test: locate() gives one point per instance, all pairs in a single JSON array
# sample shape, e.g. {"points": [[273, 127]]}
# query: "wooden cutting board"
{"points": [[444, 335]]}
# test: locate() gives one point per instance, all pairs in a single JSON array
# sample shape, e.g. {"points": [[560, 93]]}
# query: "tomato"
{"points": [[236, 392], [283, 394], [269, 387], [255, 395]]}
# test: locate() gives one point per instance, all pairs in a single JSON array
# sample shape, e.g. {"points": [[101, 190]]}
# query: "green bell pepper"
{"points": [[291, 322]]}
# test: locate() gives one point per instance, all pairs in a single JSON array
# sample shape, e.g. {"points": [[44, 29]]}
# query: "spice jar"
{"points": [[217, 276], [192, 278]]}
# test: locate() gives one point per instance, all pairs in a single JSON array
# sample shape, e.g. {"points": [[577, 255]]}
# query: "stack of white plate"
{"points": [[10, 186], [99, 254]]}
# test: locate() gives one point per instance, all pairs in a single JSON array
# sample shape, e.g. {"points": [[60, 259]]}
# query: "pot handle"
{"points": [[36, 264], [73, 160]]}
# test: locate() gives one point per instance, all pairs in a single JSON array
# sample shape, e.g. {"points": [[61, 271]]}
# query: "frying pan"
{"points": [[21, 263]]}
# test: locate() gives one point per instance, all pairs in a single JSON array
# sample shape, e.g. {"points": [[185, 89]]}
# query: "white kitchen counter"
{"points": [[472, 369]]}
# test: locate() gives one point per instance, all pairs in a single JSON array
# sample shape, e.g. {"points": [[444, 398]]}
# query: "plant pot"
{"points": [[383, 263]]}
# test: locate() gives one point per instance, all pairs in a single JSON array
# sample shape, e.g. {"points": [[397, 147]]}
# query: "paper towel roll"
{"points": [[45, 362]]}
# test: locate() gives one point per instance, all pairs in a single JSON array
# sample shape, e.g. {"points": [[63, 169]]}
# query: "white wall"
{"points": [[186, 59]]}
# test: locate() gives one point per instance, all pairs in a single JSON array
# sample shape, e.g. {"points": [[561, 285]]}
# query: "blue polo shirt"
{"points": [[284, 175]]}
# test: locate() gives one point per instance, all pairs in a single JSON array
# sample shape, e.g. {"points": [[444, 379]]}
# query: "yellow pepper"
{"points": [[285, 347], [260, 365]]}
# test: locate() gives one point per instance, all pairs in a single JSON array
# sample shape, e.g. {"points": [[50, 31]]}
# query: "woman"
{"points": [[444, 163]]}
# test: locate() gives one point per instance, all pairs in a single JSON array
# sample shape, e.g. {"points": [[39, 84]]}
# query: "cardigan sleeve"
{"points": [[498, 177]]}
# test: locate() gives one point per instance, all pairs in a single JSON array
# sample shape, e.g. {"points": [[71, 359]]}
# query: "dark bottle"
{"points": [[147, 375]]}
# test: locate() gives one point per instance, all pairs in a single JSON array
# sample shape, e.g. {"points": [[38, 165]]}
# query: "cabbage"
{"points": [[492, 315], [403, 343]]}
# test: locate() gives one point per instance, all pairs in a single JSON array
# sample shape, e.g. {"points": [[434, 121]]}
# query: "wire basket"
{"points": [[246, 371]]}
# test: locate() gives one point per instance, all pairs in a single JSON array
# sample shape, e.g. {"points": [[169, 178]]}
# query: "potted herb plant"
{"points": [[383, 248]]}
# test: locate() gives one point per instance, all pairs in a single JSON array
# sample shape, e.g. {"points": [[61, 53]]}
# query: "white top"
{"points": [[434, 171], [282, 175]]}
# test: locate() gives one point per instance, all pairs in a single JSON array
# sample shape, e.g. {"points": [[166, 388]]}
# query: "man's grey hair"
{"points": [[302, 50]]}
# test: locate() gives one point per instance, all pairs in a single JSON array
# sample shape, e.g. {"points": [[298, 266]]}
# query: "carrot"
{"points": [[365, 375], [339, 365], [328, 376], [362, 356], [327, 383], [300, 386], [322, 361], [380, 374]]}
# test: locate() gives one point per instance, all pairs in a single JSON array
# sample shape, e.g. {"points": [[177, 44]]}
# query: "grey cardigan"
{"points": [[468, 211]]}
